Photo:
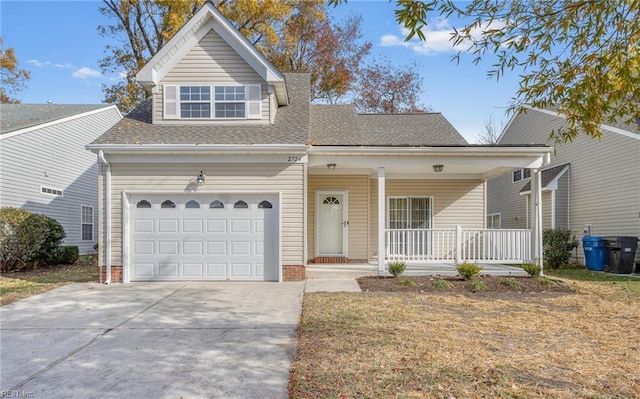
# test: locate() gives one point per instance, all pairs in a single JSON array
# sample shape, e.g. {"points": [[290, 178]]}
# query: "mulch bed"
{"points": [[495, 286]]}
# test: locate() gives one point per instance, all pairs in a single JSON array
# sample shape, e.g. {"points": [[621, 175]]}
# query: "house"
{"points": [[227, 172], [589, 184], [45, 168]]}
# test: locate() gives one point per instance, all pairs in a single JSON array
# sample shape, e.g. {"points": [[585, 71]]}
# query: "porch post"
{"points": [[536, 218], [381, 221]]}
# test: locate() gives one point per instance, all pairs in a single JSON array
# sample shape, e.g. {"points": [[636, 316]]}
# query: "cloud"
{"points": [[438, 36], [65, 66], [37, 63], [85, 73]]}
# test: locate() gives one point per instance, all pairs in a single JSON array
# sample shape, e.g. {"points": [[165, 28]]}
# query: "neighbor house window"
{"points": [[212, 102], [493, 221], [87, 223], [521, 174], [51, 191]]}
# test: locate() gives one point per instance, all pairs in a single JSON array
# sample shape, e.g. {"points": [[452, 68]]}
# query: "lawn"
{"points": [[19, 285], [584, 344]]}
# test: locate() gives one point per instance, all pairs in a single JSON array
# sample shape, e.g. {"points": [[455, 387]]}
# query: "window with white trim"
{"points": [[212, 101], [521, 174], [87, 223], [494, 221], [51, 191]]}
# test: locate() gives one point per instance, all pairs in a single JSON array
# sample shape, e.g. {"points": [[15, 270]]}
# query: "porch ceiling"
{"points": [[458, 162]]}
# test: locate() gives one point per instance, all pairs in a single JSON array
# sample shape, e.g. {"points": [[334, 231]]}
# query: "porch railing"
{"points": [[458, 245]]}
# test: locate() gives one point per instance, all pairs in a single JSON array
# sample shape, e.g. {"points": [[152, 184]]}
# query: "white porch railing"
{"points": [[458, 245]]}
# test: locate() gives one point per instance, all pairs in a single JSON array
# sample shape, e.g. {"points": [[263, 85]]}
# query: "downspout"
{"points": [[107, 202]]}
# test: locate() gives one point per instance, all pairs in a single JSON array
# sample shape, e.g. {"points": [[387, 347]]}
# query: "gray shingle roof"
{"points": [[341, 125], [546, 177], [20, 116], [291, 125]]}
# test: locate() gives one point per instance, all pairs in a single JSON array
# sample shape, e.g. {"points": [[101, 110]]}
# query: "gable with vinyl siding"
{"points": [[604, 181], [212, 61], [51, 157]]}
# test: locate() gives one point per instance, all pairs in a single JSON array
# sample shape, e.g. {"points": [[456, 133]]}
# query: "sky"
{"points": [[58, 42]]}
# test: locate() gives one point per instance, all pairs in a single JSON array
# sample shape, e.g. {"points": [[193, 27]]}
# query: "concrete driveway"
{"points": [[151, 340]]}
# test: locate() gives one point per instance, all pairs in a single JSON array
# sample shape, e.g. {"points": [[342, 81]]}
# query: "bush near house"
{"points": [[557, 244], [28, 241], [67, 255], [397, 268]]}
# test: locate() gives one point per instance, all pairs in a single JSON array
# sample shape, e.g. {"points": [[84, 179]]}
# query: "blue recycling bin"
{"points": [[595, 254]]}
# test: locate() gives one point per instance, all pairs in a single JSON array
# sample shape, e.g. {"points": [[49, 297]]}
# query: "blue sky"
{"points": [[58, 42]]}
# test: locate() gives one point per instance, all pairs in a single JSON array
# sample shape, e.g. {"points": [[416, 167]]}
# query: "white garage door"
{"points": [[204, 237]]}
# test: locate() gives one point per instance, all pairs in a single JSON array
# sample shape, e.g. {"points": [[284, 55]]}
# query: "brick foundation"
{"points": [[293, 273], [324, 259], [116, 274]]}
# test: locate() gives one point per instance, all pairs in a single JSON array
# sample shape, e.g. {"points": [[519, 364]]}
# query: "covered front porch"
{"points": [[425, 206]]}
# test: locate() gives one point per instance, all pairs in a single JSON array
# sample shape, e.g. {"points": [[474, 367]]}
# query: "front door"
{"points": [[332, 223]]}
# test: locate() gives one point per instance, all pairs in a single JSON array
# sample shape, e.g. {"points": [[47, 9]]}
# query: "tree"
{"points": [[385, 88], [12, 78], [142, 27], [490, 134], [328, 50], [581, 57]]}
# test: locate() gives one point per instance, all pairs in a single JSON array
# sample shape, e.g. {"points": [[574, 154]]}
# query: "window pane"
{"points": [[87, 232], [230, 110], [526, 173], [195, 110], [517, 175]]}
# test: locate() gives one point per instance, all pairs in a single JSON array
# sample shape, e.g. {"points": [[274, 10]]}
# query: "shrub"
{"points": [[557, 244], [407, 283], [397, 268], [476, 285], [67, 255], [546, 281], [469, 270], [442, 284], [38, 238], [10, 218], [511, 283], [532, 269]]}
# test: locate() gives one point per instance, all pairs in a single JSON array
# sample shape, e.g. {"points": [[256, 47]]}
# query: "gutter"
{"points": [[203, 148], [107, 200]]}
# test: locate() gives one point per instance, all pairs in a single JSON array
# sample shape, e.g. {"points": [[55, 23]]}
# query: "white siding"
{"points": [[211, 61], [287, 179], [455, 202], [54, 156], [604, 188]]}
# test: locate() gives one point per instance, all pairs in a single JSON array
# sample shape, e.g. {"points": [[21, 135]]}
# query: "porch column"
{"points": [[536, 218], [381, 221]]}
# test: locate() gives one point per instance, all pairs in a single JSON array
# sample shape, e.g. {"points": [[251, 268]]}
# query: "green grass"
{"points": [[16, 286], [630, 283]]}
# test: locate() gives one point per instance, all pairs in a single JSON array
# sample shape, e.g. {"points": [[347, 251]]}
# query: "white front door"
{"points": [[332, 223]]}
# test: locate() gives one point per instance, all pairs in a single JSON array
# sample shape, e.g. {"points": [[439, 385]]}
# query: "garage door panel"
{"points": [[168, 247], [206, 243], [168, 269], [192, 226], [192, 248], [217, 248], [168, 226], [216, 225], [143, 270], [217, 270], [194, 270], [143, 226], [144, 247]]}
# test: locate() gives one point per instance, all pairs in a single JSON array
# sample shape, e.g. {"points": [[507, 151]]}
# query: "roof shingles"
{"points": [[21, 116]]}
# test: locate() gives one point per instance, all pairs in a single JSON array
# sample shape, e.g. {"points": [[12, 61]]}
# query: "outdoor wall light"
{"points": [[438, 168], [331, 166], [200, 179]]}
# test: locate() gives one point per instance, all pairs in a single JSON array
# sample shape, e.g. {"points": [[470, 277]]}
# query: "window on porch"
{"points": [[409, 221]]}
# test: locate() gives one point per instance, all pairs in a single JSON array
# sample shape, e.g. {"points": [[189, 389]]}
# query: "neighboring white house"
{"points": [[228, 172], [589, 182], [44, 167]]}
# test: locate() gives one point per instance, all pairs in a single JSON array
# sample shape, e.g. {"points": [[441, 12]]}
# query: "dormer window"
{"points": [[228, 102]]}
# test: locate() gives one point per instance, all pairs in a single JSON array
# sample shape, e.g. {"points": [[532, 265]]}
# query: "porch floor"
{"points": [[355, 270]]}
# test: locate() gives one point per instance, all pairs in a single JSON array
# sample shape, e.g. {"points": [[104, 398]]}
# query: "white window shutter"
{"points": [[170, 100], [253, 94]]}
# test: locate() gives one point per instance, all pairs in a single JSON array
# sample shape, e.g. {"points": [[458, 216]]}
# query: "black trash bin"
{"points": [[621, 252]]}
